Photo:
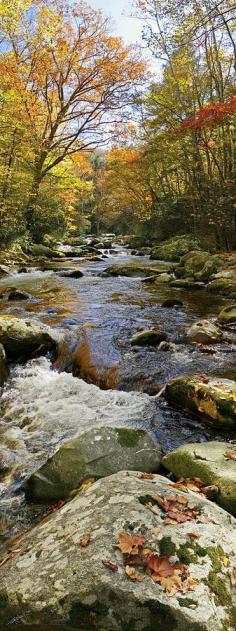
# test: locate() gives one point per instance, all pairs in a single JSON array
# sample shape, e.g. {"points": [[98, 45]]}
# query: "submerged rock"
{"points": [[172, 302], [208, 397], [209, 462], [72, 274], [68, 574], [149, 338], [3, 366], [23, 338], [204, 332], [187, 283], [227, 315], [96, 453]]}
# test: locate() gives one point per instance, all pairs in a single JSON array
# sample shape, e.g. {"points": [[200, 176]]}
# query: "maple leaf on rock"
{"points": [[129, 544]]}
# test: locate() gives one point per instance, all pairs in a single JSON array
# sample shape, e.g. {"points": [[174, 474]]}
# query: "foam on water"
{"points": [[42, 408]]}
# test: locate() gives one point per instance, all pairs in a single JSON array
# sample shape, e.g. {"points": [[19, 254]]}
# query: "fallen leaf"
{"points": [[85, 540], [133, 574], [230, 455], [147, 476], [194, 535], [129, 544], [160, 565], [204, 519], [155, 531], [111, 566], [233, 578]]}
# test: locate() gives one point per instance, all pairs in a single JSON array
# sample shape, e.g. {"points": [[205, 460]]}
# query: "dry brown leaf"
{"points": [[230, 455], [194, 535], [204, 519], [129, 544], [110, 566], [85, 540], [147, 476], [160, 565], [133, 574], [232, 577]]}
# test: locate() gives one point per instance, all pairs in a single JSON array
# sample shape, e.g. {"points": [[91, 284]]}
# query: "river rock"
{"points": [[172, 302], [134, 269], [148, 338], [194, 261], [96, 453], [209, 462], [54, 580], [23, 338], [227, 315], [164, 278], [224, 286], [187, 283], [214, 398], [212, 265], [42, 251], [72, 274], [3, 366], [18, 295], [204, 332], [173, 249]]}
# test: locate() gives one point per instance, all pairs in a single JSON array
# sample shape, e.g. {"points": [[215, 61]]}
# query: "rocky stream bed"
{"points": [[109, 369]]}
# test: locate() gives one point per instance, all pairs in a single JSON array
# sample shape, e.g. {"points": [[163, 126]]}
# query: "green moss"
{"points": [[186, 553], [218, 588], [129, 437], [3, 602], [216, 555], [167, 547], [201, 552]]}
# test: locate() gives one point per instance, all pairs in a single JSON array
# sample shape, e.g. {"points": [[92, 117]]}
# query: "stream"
{"points": [[109, 382]]}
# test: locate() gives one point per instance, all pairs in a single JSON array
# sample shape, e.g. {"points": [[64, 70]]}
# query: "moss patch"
{"points": [[167, 547], [129, 437]]}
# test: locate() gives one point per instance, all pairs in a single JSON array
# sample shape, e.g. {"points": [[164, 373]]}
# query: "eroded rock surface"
{"points": [[53, 582]]}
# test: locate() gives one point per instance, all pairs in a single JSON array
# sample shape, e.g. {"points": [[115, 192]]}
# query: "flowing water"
{"points": [[109, 382]]}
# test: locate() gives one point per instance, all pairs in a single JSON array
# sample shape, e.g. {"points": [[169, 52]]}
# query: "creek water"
{"points": [[109, 382]]}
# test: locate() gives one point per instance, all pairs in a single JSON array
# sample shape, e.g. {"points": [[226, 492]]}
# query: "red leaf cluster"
{"points": [[210, 115]]}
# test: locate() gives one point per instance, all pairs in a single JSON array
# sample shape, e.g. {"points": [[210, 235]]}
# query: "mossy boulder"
{"points": [[96, 453], [23, 338], [43, 251], [212, 265], [207, 397], [164, 278], [204, 332], [149, 338], [223, 286], [3, 366], [194, 261], [135, 269], [173, 249], [51, 581], [209, 462], [227, 315]]}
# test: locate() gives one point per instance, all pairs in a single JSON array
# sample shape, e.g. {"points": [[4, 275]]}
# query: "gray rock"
{"points": [[149, 338], [208, 462], [96, 453], [72, 274], [52, 582], [23, 338], [204, 332], [16, 295]]}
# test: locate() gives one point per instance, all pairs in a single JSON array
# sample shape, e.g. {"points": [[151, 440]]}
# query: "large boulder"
{"points": [[3, 366], [213, 462], [42, 251], [22, 338], [173, 249], [204, 332], [97, 453], [134, 269], [227, 315], [152, 337], [207, 397], [194, 261], [169, 572], [226, 286], [212, 265], [187, 283]]}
